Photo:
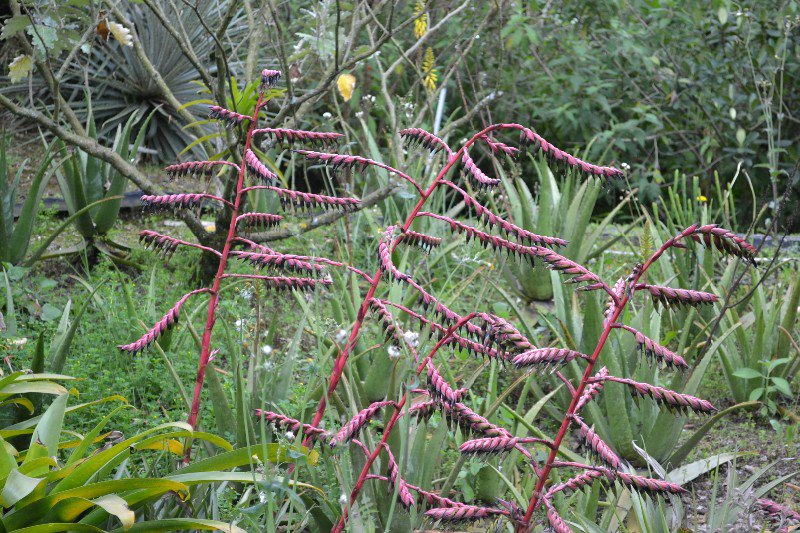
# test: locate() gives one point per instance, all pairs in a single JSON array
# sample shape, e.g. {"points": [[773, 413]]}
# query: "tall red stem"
{"points": [[544, 473], [205, 350]]}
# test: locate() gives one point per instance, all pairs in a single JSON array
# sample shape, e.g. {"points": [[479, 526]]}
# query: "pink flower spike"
{"points": [[257, 220], [286, 423], [166, 323], [175, 201], [362, 418], [669, 296], [393, 474], [592, 389], [276, 260], [260, 169], [712, 236], [231, 118], [553, 154], [291, 136], [429, 141], [597, 445], [492, 446], [546, 357], [299, 201], [666, 397], [269, 78], [480, 179], [462, 513], [556, 522], [440, 388], [425, 242], [194, 168]]}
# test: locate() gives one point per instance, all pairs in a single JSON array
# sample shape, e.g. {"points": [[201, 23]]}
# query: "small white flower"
{"points": [[239, 324], [625, 166], [394, 351], [246, 294], [341, 336], [359, 114], [266, 349], [289, 435], [327, 116], [262, 496], [121, 34], [343, 499], [412, 338]]}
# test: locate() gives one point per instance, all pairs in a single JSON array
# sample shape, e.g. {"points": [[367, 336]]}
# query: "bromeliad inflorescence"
{"points": [[250, 174], [477, 332], [489, 336]]}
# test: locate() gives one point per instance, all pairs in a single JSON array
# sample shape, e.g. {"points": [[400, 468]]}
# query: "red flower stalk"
{"points": [[501, 336]]}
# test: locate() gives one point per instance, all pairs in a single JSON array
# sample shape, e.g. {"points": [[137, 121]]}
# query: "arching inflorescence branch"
{"points": [[166, 323], [251, 174]]}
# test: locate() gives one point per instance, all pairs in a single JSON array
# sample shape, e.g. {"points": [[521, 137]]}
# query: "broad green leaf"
{"points": [[48, 430], [182, 524], [16, 487], [747, 373]]}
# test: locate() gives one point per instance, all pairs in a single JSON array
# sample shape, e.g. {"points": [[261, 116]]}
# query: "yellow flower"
{"points": [[346, 83], [420, 19], [702, 199], [431, 74]]}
